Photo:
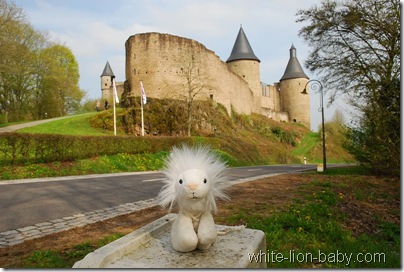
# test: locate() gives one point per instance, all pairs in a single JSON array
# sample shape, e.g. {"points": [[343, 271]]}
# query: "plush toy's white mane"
{"points": [[184, 158]]}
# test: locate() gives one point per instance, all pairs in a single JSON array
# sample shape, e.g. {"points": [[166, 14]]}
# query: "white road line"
{"points": [[156, 179], [252, 170]]}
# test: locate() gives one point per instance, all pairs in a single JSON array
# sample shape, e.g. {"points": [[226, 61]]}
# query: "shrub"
{"points": [[19, 148]]}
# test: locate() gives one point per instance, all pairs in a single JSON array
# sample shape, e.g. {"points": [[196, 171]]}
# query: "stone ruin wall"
{"points": [[271, 103], [294, 102], [249, 70], [160, 61]]}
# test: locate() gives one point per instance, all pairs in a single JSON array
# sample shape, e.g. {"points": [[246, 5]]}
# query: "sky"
{"points": [[96, 31]]}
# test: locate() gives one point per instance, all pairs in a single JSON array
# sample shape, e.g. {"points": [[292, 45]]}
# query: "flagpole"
{"points": [[141, 108], [142, 102], [114, 110]]}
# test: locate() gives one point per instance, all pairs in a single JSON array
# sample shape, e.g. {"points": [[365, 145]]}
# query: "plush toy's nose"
{"points": [[192, 186]]}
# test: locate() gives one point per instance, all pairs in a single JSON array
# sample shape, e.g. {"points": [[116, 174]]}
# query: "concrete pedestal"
{"points": [[150, 247]]}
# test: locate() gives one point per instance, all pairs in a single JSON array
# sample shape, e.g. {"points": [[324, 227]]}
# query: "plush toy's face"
{"points": [[193, 184]]}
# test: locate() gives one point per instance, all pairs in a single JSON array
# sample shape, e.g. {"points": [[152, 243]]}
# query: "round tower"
{"points": [[106, 83], [292, 84], [244, 63]]}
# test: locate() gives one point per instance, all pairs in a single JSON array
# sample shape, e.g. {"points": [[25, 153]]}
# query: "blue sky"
{"points": [[96, 31]]}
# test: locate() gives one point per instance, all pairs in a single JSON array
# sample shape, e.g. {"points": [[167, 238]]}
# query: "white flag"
{"points": [[115, 91], [143, 93]]}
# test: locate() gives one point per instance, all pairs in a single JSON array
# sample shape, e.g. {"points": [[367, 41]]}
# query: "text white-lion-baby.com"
{"points": [[318, 257]]}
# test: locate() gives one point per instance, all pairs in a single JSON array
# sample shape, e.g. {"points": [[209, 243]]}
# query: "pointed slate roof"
{"points": [[108, 71], [293, 69], [242, 49]]}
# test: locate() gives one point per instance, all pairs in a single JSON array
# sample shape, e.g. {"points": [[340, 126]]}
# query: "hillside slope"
{"points": [[248, 140]]}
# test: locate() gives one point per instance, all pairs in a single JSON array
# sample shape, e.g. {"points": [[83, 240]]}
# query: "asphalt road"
{"points": [[28, 202]]}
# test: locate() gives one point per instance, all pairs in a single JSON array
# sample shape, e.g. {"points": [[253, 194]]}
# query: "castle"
{"points": [[175, 67]]}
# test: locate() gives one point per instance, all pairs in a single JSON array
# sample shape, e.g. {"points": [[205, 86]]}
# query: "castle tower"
{"points": [[106, 83], [244, 63], [292, 84]]}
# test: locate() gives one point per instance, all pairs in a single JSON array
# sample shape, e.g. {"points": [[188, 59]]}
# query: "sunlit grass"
{"points": [[315, 223], [77, 125], [308, 143]]}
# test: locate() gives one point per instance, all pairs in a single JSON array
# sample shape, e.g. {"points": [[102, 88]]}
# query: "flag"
{"points": [[115, 91], [143, 93]]}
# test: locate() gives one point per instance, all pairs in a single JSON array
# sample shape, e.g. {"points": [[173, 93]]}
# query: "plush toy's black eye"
{"points": [[205, 181], [180, 181]]}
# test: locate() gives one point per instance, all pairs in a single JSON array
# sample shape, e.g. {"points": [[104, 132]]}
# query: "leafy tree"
{"points": [[18, 45], [59, 91], [36, 76], [356, 52]]}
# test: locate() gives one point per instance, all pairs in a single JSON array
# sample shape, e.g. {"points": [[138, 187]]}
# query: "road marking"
{"points": [[252, 170], [156, 179]]}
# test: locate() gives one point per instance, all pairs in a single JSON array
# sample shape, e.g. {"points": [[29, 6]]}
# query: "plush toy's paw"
{"points": [[204, 246], [207, 232], [185, 243], [206, 239]]}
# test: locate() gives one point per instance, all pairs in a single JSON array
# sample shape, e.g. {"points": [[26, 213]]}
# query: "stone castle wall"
{"points": [[249, 70], [294, 102], [169, 66], [271, 103], [165, 63]]}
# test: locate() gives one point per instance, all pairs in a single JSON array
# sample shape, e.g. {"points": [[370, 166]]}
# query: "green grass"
{"points": [[100, 165], [77, 125], [346, 171], [312, 228], [66, 259], [308, 143]]}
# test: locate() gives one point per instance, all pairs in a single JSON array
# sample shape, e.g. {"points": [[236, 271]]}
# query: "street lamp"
{"points": [[317, 85]]}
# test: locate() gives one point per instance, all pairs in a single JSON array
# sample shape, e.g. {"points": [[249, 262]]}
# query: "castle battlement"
{"points": [[171, 66]]}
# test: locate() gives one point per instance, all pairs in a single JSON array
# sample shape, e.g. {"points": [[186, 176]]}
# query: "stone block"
{"points": [[150, 247]]}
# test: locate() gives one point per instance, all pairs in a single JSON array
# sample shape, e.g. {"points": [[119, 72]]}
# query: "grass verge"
{"points": [[342, 219], [76, 125], [99, 165], [61, 259]]}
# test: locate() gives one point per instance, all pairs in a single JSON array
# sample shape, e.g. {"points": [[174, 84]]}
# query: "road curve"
{"points": [[31, 201]]}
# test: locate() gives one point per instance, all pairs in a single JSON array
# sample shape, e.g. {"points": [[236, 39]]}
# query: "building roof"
{"points": [[293, 69], [242, 49], [108, 71]]}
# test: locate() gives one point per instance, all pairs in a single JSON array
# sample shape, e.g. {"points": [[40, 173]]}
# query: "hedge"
{"points": [[21, 148]]}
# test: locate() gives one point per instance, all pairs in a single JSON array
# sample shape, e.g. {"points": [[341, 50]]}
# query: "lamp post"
{"points": [[316, 84]]}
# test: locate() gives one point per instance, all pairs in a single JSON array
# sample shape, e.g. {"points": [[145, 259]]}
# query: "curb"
{"points": [[20, 235]]}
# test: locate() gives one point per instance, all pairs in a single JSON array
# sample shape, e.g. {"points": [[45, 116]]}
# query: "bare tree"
{"points": [[194, 82]]}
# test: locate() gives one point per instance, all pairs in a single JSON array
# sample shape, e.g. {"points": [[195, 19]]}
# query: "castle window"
{"points": [[243, 76], [134, 71], [211, 96], [134, 56]]}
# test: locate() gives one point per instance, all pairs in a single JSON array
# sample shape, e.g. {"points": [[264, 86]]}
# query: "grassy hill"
{"points": [[241, 139]]}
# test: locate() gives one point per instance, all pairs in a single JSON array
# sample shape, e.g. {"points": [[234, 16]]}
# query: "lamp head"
{"points": [[304, 91]]}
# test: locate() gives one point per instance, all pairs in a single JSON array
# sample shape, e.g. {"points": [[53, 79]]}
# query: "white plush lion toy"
{"points": [[195, 178]]}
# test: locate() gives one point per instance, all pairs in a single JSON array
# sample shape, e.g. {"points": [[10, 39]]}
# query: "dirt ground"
{"points": [[267, 195]]}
